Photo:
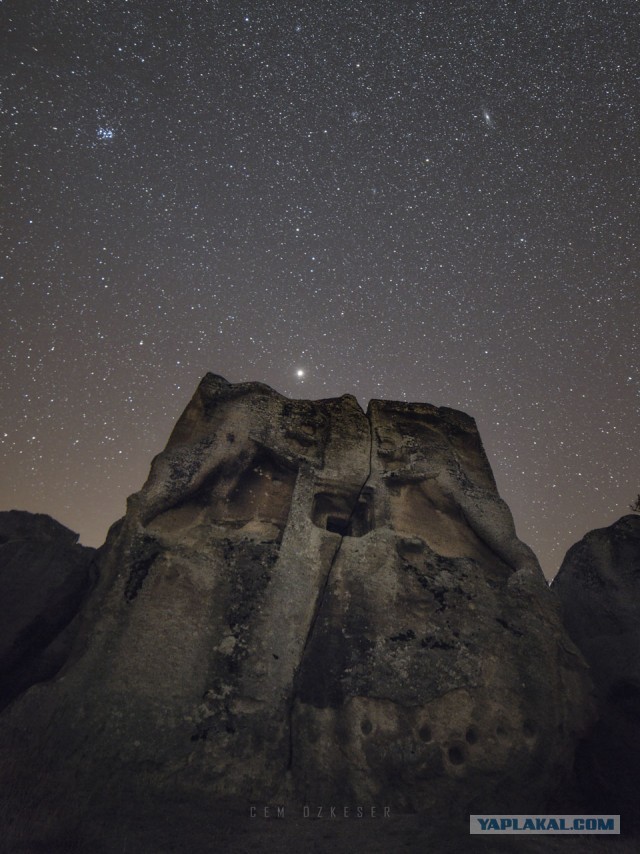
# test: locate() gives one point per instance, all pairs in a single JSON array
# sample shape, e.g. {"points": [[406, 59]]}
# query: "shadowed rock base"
{"points": [[168, 827]]}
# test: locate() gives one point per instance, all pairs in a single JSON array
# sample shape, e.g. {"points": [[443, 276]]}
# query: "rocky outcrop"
{"points": [[44, 577], [310, 604], [599, 587]]}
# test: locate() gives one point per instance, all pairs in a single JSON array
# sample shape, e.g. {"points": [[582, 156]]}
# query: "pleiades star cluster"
{"points": [[411, 200]]}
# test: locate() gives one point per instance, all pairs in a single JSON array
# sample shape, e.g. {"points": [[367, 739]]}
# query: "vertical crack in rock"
{"points": [[323, 591]]}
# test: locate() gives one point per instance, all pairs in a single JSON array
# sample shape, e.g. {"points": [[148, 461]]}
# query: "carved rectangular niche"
{"points": [[342, 512]]}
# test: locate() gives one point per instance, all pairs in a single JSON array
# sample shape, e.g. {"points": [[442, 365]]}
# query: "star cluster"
{"points": [[420, 201]]}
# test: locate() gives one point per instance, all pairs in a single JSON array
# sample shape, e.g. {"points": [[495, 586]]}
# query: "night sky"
{"points": [[425, 201]]}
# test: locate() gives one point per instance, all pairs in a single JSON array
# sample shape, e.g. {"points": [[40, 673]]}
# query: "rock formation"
{"points": [[310, 604], [44, 577], [599, 587]]}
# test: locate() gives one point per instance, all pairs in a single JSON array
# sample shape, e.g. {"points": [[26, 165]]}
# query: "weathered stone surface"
{"points": [[599, 587], [44, 576], [310, 604]]}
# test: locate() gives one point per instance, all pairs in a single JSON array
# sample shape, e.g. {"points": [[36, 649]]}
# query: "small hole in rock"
{"points": [[425, 733], [529, 729], [456, 755], [501, 732], [471, 735], [366, 726]]}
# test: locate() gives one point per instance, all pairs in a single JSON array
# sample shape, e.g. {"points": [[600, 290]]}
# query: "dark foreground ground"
{"points": [[183, 828]]}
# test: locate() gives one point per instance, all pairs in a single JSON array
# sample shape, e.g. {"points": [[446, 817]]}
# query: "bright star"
{"points": [[300, 373]]}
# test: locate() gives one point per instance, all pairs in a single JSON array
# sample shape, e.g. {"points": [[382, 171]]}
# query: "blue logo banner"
{"points": [[538, 824]]}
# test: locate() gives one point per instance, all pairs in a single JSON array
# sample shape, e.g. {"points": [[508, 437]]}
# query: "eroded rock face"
{"points": [[44, 577], [599, 587], [307, 603]]}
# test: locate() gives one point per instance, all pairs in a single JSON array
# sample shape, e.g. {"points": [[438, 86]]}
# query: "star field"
{"points": [[420, 201]]}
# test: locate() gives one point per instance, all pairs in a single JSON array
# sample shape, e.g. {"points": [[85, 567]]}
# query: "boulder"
{"points": [[310, 604], [44, 577], [599, 587]]}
